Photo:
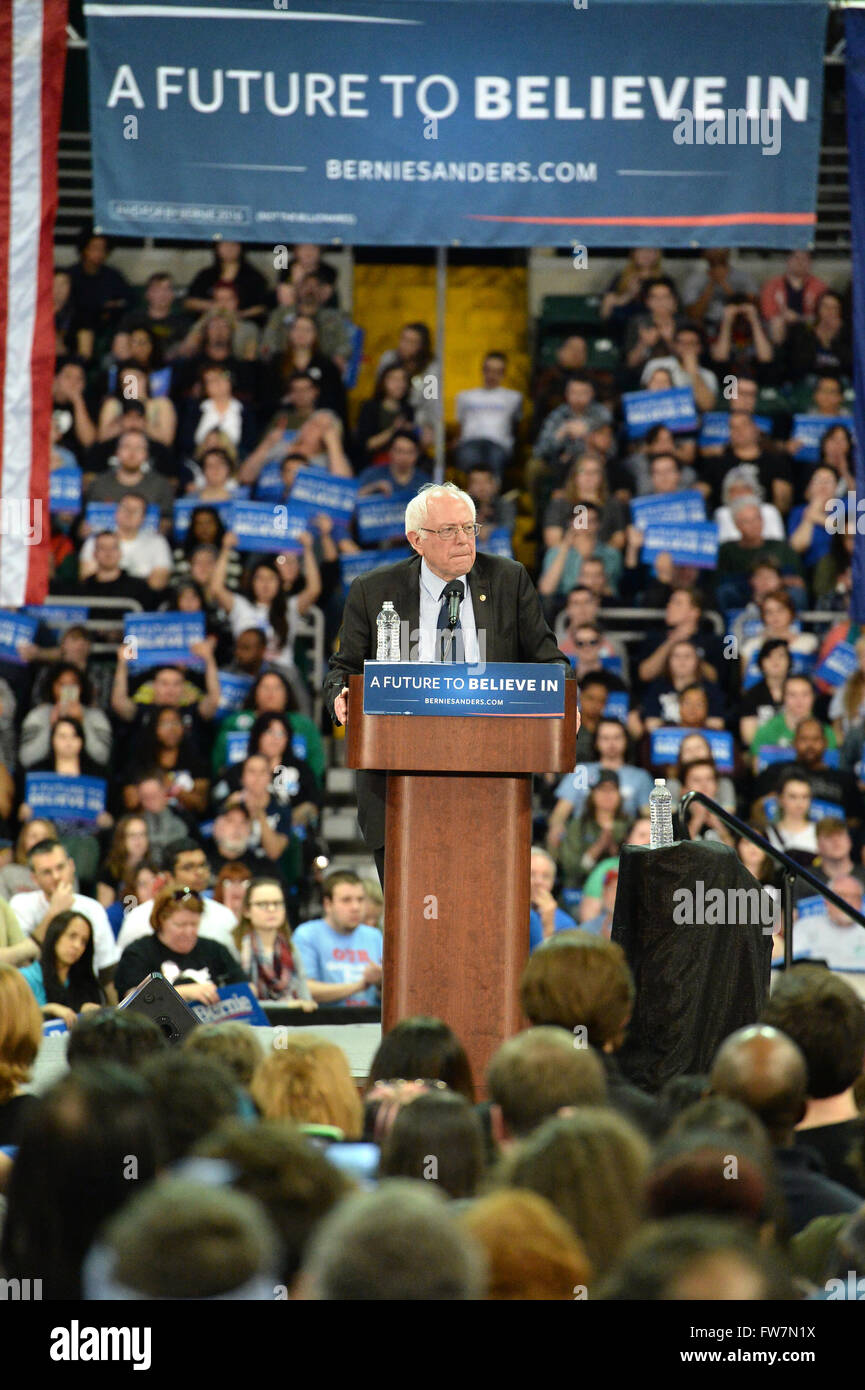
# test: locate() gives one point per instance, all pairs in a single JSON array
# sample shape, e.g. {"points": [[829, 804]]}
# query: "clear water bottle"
{"points": [[661, 815], [387, 630]]}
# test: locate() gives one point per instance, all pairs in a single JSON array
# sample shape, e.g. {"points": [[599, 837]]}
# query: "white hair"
{"points": [[417, 511]]}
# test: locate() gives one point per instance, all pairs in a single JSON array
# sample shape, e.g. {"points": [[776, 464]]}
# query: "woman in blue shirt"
{"points": [[64, 981]]}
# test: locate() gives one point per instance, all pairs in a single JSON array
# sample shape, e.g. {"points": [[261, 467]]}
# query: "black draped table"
{"points": [[702, 966]]}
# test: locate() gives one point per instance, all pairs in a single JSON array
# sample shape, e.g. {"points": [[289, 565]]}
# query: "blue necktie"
{"points": [[446, 643]]}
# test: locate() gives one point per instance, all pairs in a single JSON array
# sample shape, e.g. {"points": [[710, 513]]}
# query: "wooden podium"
{"points": [[457, 850]]}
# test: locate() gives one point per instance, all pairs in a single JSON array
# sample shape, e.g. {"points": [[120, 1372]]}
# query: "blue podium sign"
{"points": [[236, 1003], [505, 688]]}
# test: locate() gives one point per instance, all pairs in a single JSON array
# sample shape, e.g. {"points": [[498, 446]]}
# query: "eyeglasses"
{"points": [[181, 894], [447, 533], [587, 642]]}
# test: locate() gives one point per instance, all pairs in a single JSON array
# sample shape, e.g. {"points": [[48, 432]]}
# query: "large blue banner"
{"points": [[489, 122]]}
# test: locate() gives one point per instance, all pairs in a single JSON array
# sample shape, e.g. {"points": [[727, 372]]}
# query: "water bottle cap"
{"points": [[660, 782]]}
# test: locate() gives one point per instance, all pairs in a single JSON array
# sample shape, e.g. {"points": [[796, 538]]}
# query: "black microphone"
{"points": [[453, 592]]}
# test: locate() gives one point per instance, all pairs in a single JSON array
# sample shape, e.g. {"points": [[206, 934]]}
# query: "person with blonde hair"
{"points": [[20, 1037], [532, 1252], [306, 1078]]}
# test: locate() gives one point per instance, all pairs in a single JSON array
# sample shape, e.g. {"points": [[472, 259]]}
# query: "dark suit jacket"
{"points": [[506, 606]]}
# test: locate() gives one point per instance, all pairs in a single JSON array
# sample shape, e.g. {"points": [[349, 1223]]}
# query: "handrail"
{"points": [[792, 870]]}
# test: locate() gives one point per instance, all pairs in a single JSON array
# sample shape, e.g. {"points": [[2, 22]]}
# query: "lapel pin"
{"points": [[482, 597]]}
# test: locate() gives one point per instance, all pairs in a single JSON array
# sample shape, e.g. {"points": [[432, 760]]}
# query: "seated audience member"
{"points": [[531, 1251], [808, 523], [158, 314], [445, 1127], [272, 737], [739, 483], [533, 1076], [265, 604], [168, 749], [562, 437], [797, 704], [130, 470], [683, 365], [20, 1040], [828, 784], [792, 829], [341, 956], [270, 828], [281, 1169], [130, 846], [661, 700], [224, 305], [712, 281], [229, 266], [423, 1049], [694, 1259], [792, 297], [267, 952], [580, 982], [635, 784], [488, 418], [193, 1094], [99, 294], [545, 916], [742, 341], [737, 558], [766, 1071], [548, 387], [591, 902], [214, 477], [75, 1146], [835, 851], [195, 965], [167, 687], [309, 1081], [492, 512], [652, 329], [597, 833], [702, 824], [585, 484], [67, 758], [753, 457], [683, 614], [17, 876], [763, 700], [73, 427], [398, 1243], [832, 936], [233, 1044], [69, 696], [136, 374], [385, 413], [230, 886], [62, 980], [179, 1239], [623, 296], [583, 608], [591, 1165], [402, 474], [821, 346], [188, 873], [163, 825], [563, 564], [230, 843], [601, 924], [114, 1035], [778, 618], [847, 706], [690, 1176], [218, 408], [825, 1017], [54, 873]]}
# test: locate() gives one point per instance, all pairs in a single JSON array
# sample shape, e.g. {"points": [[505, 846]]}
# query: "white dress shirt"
{"points": [[216, 923], [431, 590], [30, 908]]}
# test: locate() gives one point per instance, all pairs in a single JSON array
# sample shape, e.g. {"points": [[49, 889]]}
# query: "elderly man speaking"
{"points": [[500, 617]]}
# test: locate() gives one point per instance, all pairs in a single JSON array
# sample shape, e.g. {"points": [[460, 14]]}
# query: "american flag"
{"points": [[32, 57]]}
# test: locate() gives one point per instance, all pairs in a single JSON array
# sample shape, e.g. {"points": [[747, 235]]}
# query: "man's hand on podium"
{"points": [[340, 705]]}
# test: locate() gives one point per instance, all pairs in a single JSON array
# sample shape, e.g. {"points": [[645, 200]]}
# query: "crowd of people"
{"points": [[163, 811]]}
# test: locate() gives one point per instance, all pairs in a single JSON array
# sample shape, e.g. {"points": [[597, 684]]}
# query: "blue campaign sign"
{"points": [[261, 526], [810, 907], [59, 798], [236, 1002], [503, 688], [498, 542], [715, 427], [364, 562], [269, 486], [810, 430], [818, 810], [233, 690], [102, 516], [236, 744], [665, 745], [57, 616], [674, 408], [15, 628], [322, 492], [801, 664], [664, 509], [839, 665], [380, 519], [771, 753], [694, 544], [617, 706], [156, 639], [185, 506], [65, 490], [483, 123]]}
